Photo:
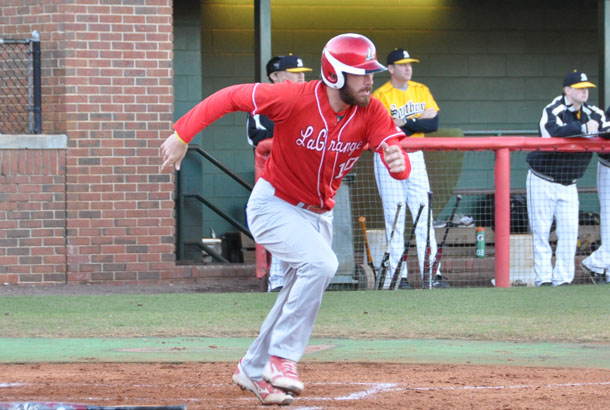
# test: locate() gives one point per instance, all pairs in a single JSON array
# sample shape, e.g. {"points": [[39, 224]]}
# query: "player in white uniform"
{"points": [[321, 129], [598, 263], [259, 127], [415, 111], [551, 180]]}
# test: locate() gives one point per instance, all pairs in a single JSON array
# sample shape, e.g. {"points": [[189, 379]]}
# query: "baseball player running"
{"points": [[259, 127], [598, 263], [551, 180], [321, 128], [415, 111]]}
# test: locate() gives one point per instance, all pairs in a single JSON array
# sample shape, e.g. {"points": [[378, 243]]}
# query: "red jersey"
{"points": [[313, 148]]}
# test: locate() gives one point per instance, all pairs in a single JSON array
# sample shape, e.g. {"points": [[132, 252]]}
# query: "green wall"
{"points": [[188, 92], [491, 65]]}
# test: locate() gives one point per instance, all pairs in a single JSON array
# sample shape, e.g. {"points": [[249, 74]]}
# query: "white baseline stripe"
{"points": [[385, 387], [514, 386], [376, 388]]}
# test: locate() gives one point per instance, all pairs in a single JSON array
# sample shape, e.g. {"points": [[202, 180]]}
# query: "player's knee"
{"points": [[325, 266]]}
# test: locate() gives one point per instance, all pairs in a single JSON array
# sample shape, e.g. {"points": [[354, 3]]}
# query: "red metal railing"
{"points": [[502, 146]]}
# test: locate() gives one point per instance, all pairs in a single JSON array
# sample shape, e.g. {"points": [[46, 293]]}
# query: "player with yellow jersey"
{"points": [[414, 110]]}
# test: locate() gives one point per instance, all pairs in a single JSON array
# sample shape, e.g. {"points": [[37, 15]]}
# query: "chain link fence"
{"points": [[20, 86]]}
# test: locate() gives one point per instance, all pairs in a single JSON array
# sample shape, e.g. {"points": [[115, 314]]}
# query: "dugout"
{"points": [[96, 208]]}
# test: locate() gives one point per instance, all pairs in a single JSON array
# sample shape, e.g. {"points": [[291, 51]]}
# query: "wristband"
{"points": [[180, 139]]}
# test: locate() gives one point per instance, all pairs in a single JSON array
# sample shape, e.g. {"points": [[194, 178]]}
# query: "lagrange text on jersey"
{"points": [[319, 142]]}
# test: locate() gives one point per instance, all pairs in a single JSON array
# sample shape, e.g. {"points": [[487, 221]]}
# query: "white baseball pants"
{"points": [[302, 240], [599, 261], [413, 191], [545, 201]]}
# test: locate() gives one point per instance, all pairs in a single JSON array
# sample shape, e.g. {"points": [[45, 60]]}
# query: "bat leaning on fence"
{"points": [[385, 261], [439, 251], [403, 259], [428, 250], [370, 266]]}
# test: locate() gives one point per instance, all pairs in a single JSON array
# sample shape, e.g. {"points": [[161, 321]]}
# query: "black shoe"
{"points": [[276, 289], [404, 284], [546, 284], [440, 283]]}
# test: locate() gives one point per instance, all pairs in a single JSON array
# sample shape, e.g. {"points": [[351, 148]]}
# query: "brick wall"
{"points": [[118, 107], [107, 84], [98, 210], [32, 216]]}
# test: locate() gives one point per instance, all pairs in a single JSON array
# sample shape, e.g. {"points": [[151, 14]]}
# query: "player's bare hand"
{"points": [[173, 151], [393, 157], [429, 113], [592, 126]]}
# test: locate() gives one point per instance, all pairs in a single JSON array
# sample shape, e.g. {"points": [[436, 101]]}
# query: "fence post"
{"points": [[37, 83], [502, 218]]}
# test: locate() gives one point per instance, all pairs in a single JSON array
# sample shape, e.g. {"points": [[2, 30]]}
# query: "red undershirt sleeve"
{"points": [[229, 99]]}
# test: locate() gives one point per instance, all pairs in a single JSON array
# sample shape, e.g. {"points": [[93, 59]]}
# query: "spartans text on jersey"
{"points": [[407, 110]]}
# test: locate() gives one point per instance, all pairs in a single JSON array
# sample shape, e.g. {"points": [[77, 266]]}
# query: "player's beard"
{"points": [[350, 96]]}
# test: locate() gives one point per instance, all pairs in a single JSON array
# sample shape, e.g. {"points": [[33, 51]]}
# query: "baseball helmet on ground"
{"points": [[348, 54]]}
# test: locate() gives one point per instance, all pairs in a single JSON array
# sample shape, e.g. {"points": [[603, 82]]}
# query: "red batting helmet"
{"points": [[348, 53]]}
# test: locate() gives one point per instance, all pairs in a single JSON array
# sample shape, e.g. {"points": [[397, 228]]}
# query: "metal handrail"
{"points": [[208, 250], [220, 213], [180, 207], [221, 166]]}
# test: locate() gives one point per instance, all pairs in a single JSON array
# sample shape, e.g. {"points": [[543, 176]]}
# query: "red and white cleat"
{"points": [[265, 392], [282, 373]]}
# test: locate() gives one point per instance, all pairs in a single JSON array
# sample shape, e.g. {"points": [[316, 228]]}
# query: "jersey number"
{"points": [[346, 166]]}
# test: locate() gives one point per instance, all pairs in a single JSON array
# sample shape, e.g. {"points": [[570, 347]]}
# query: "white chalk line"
{"points": [[377, 388], [513, 386], [372, 389]]}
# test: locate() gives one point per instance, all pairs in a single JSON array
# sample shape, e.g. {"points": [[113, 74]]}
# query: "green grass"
{"points": [[568, 314]]}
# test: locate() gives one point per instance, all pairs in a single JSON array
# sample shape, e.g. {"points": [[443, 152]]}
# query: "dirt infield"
{"points": [[327, 386]]}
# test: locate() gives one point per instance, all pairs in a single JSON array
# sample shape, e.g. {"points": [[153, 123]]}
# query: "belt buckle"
{"points": [[312, 208], [315, 209]]}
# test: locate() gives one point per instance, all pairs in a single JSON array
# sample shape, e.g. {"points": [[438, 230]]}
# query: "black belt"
{"points": [[551, 179]]}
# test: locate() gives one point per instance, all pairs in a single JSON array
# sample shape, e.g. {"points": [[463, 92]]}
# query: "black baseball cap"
{"points": [[400, 56], [290, 63], [577, 79]]}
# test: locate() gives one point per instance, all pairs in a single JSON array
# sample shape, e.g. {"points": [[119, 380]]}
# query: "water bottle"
{"points": [[480, 242]]}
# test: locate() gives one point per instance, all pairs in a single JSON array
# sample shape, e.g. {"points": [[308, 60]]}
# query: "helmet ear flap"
{"points": [[330, 75]]}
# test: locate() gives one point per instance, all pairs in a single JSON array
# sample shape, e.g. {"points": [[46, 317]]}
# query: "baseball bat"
{"points": [[369, 257], [405, 253], [385, 261], [427, 254], [439, 251]]}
